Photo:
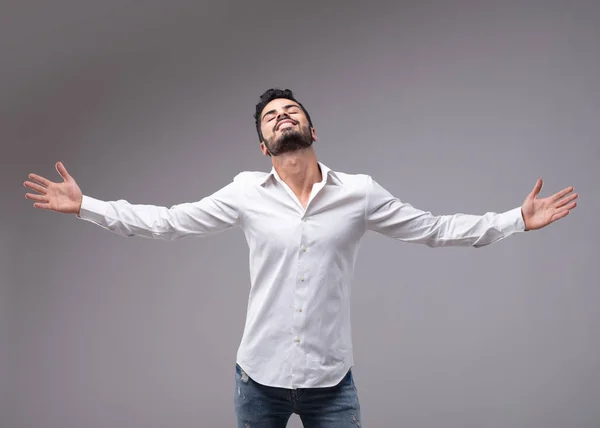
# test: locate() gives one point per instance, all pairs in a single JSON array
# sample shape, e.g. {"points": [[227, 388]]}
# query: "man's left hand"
{"points": [[538, 213]]}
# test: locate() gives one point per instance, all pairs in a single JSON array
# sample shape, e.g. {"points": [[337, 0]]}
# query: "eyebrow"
{"points": [[284, 107]]}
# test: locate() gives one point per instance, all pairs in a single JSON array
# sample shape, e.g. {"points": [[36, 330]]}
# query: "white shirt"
{"points": [[297, 332]]}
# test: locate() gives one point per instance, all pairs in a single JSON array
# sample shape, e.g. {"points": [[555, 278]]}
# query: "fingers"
{"points": [[566, 209], [35, 187], [562, 193], [62, 171], [40, 198], [537, 188], [566, 200], [42, 206], [43, 181], [560, 215]]}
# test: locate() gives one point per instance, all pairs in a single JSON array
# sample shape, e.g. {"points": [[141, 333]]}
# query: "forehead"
{"points": [[278, 104]]}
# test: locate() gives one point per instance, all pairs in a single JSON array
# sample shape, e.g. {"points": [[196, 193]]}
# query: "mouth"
{"points": [[287, 123]]}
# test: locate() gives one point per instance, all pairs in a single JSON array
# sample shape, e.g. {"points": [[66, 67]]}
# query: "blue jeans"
{"points": [[260, 406]]}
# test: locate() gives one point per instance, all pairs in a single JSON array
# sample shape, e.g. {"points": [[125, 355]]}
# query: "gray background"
{"points": [[453, 106]]}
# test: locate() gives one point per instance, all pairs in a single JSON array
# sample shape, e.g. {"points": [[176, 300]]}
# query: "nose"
{"points": [[282, 113]]}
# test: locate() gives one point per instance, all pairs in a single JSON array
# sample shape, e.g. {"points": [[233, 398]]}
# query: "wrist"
{"points": [[78, 211]]}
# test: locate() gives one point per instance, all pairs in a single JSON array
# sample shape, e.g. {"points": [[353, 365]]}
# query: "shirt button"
{"points": [[300, 310], [304, 219], [297, 339], [304, 249], [301, 278]]}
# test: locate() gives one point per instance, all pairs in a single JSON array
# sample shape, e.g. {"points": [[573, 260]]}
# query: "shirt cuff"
{"points": [[511, 221], [92, 209]]}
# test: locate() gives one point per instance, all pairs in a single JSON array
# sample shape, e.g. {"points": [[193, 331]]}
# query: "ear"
{"points": [[313, 134], [264, 150]]}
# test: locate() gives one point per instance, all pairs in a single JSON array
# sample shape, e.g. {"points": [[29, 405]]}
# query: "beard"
{"points": [[289, 141]]}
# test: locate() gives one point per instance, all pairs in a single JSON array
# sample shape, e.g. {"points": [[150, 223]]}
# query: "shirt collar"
{"points": [[328, 175]]}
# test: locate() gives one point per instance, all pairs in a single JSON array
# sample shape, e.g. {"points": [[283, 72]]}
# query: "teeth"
{"points": [[286, 125]]}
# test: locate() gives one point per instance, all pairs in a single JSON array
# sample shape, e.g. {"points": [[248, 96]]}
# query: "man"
{"points": [[303, 223]]}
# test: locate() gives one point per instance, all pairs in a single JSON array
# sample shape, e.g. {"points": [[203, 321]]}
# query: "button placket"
{"points": [[303, 249], [302, 276]]}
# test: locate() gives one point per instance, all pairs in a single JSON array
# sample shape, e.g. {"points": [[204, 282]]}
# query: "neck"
{"points": [[298, 169]]}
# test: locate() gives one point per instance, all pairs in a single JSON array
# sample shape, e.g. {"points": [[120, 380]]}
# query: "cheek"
{"points": [[266, 132]]}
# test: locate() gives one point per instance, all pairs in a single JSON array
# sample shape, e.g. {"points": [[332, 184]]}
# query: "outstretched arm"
{"points": [[210, 215], [388, 215]]}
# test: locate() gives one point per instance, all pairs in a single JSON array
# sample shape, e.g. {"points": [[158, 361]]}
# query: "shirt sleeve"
{"points": [[389, 216], [212, 214]]}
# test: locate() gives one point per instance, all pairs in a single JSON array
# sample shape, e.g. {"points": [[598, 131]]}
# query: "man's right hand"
{"points": [[62, 197]]}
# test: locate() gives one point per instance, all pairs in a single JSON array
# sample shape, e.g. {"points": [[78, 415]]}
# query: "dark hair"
{"points": [[270, 95]]}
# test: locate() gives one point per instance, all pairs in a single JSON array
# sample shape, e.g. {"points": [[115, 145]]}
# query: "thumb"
{"points": [[537, 188], [62, 171]]}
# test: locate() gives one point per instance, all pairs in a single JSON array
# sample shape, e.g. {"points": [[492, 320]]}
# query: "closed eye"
{"points": [[290, 109]]}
